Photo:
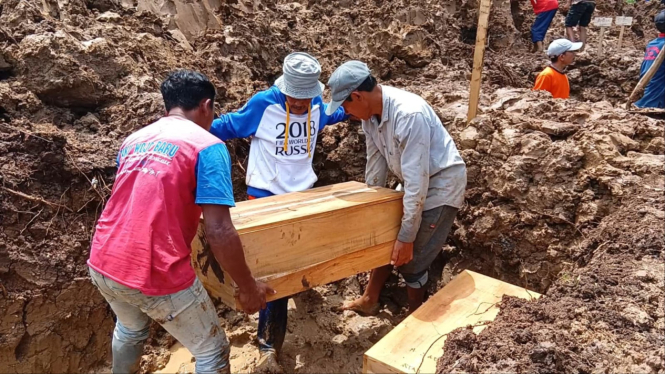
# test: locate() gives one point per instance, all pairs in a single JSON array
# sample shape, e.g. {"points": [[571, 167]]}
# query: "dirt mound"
{"points": [[543, 171], [575, 191], [605, 315], [77, 76]]}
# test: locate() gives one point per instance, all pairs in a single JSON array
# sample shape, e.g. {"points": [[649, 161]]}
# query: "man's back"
{"points": [[143, 237], [410, 133], [654, 93]]}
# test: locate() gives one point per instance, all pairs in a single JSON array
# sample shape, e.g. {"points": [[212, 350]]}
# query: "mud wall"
{"points": [[77, 76]]}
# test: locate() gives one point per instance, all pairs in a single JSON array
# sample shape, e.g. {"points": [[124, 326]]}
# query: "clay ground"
{"points": [[564, 197]]}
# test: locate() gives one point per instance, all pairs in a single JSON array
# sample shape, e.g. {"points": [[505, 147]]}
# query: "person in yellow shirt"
{"points": [[553, 79]]}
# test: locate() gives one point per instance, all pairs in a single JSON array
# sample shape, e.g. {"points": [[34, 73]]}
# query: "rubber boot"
{"points": [[268, 363]]}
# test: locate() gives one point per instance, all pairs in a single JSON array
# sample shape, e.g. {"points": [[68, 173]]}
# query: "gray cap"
{"points": [[346, 79], [301, 76]]}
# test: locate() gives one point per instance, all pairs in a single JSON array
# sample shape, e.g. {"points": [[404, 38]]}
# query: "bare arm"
{"points": [[226, 246]]}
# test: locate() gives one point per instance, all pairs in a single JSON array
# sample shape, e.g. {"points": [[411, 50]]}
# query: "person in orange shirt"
{"points": [[562, 53]]}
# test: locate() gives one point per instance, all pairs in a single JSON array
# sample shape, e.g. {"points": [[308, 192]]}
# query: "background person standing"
{"points": [[545, 11], [579, 15]]}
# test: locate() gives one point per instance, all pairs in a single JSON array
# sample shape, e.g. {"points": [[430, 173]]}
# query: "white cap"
{"points": [[561, 46]]}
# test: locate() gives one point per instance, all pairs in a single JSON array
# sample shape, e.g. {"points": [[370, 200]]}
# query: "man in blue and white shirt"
{"points": [[284, 122]]}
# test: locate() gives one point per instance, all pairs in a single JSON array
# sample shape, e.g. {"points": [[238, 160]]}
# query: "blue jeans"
{"points": [[272, 325], [188, 315], [541, 25]]}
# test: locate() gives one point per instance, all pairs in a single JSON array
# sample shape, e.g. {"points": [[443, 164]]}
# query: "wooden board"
{"points": [[416, 344], [302, 240], [478, 58], [620, 36]]}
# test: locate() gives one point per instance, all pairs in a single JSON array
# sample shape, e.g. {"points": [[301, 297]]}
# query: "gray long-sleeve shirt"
{"points": [[411, 141]]}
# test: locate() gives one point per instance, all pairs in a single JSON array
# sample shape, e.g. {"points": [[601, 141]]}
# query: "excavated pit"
{"points": [[565, 198]]}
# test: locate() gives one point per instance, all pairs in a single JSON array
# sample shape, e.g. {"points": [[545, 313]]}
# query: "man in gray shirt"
{"points": [[404, 135]]}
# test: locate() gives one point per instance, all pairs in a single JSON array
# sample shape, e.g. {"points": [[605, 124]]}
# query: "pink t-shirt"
{"points": [[143, 237]]}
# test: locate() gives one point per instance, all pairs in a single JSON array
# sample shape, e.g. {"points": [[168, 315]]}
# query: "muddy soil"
{"points": [[545, 177], [607, 315], [590, 180]]}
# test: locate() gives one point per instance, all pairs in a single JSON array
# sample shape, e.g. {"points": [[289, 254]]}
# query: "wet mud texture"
{"points": [[604, 316], [77, 76]]}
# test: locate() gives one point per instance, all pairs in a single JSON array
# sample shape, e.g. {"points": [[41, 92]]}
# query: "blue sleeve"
{"points": [[338, 116], [245, 122], [213, 176]]}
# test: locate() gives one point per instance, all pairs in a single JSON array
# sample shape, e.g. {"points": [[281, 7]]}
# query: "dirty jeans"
{"points": [[272, 325], [188, 315]]}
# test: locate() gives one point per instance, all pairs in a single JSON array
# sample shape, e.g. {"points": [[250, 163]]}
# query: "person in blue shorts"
{"points": [[545, 11]]}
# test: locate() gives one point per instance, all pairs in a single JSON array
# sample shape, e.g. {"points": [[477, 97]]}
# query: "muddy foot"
{"points": [[537, 47], [268, 364], [362, 306]]}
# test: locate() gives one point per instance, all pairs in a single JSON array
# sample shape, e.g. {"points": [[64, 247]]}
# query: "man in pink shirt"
{"points": [[168, 173]]}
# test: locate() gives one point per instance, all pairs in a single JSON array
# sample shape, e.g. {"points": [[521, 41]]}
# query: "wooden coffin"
{"points": [[416, 344], [305, 239]]}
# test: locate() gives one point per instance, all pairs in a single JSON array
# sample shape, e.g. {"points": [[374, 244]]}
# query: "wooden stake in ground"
{"points": [[478, 58], [646, 78], [623, 22], [621, 36], [603, 23]]}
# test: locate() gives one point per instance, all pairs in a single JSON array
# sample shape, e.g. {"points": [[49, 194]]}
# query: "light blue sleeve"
{"points": [[213, 176], [245, 122]]}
